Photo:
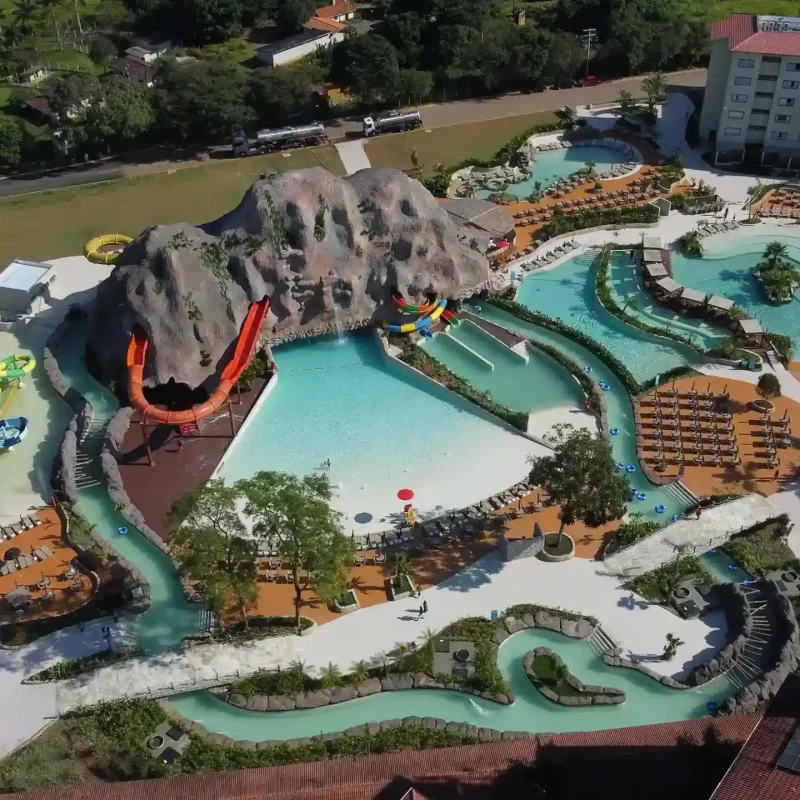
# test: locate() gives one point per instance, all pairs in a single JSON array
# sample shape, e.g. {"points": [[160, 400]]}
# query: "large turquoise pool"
{"points": [[382, 428], [647, 701], [555, 165], [726, 268], [568, 293], [521, 379]]}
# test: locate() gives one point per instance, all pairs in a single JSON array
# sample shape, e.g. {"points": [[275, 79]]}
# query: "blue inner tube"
{"points": [[620, 466], [630, 468], [477, 308], [676, 517], [712, 705], [605, 387], [641, 496], [588, 368], [122, 530], [614, 431], [733, 567], [660, 509]]}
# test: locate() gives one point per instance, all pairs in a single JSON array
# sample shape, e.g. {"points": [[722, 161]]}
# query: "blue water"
{"points": [[382, 429], [647, 701], [554, 165], [568, 293], [726, 268], [620, 414], [718, 563], [534, 384]]}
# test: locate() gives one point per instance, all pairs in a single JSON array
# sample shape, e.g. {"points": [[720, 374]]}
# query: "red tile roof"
{"points": [[624, 759], [753, 775], [743, 37], [337, 9], [330, 25]]}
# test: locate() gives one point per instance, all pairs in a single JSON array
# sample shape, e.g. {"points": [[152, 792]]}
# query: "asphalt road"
{"points": [[433, 116]]}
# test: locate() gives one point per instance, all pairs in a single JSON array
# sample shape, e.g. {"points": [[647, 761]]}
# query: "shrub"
{"points": [[69, 669], [691, 244], [768, 387], [565, 223], [636, 529], [659, 584], [729, 349], [763, 548], [783, 344]]}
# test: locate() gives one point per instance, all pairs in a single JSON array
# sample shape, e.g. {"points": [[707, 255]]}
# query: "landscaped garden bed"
{"points": [[764, 548], [557, 547], [400, 587], [347, 602], [78, 666]]}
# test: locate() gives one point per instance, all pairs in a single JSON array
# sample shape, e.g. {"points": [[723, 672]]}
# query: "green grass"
{"points": [[547, 671], [697, 9], [659, 584], [58, 223], [451, 144], [764, 550]]}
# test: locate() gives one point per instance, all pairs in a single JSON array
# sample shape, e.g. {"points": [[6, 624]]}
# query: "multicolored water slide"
{"points": [[426, 308], [16, 366], [422, 322], [245, 347]]}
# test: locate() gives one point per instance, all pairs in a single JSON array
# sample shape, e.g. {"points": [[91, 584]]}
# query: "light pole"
{"points": [[588, 38]]}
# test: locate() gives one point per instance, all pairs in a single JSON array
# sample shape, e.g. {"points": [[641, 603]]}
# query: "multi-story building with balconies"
{"points": [[751, 107]]}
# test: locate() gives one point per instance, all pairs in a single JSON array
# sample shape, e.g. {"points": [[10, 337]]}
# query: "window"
{"points": [[793, 66], [733, 131], [736, 115], [770, 59], [766, 95], [763, 111], [791, 84], [738, 98], [746, 63], [783, 118], [756, 127], [768, 77], [778, 135], [742, 81], [786, 101]]}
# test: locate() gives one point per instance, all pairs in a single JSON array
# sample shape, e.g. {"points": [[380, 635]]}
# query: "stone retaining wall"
{"points": [[590, 695], [579, 628]]}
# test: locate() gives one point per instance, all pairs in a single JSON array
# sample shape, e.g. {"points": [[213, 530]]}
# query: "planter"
{"points": [[557, 547], [347, 602], [400, 588], [762, 405]]}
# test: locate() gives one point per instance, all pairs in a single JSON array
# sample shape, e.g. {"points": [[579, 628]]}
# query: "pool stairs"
{"points": [[681, 493], [205, 619], [601, 642], [88, 470]]}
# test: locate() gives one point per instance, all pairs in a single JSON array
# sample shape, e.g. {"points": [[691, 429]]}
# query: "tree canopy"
{"points": [[581, 477]]}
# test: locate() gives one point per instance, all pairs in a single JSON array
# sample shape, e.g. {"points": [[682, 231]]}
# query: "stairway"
{"points": [[205, 619], [682, 495], [750, 664], [601, 642], [88, 471]]}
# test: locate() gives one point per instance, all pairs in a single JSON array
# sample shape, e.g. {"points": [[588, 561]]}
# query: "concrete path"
{"points": [[353, 155], [714, 528]]}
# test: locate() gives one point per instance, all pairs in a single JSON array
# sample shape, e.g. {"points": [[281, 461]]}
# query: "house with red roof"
{"points": [[751, 107]]}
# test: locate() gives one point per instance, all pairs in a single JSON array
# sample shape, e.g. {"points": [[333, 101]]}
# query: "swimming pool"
{"points": [[382, 428], [620, 415], [568, 293], [552, 166], [647, 701], [726, 268], [529, 382], [719, 563]]}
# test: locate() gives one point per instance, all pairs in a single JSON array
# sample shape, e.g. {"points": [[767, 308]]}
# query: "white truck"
{"points": [[280, 139], [392, 122]]}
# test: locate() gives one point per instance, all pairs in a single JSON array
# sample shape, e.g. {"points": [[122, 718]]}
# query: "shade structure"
{"points": [[12, 553], [405, 494]]}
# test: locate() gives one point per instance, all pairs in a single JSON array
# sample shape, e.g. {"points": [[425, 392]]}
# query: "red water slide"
{"points": [[245, 347]]}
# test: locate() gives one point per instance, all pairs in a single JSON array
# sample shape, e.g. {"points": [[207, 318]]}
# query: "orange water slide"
{"points": [[245, 347]]}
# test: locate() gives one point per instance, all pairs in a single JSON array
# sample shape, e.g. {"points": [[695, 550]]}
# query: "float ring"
{"points": [[614, 431], [732, 567], [641, 496], [712, 705], [122, 530], [477, 308], [630, 468], [620, 466], [93, 252], [660, 509], [587, 368], [676, 517], [605, 387]]}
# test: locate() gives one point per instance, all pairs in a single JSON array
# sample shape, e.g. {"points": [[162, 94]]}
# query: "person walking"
{"points": [[424, 606], [420, 612]]}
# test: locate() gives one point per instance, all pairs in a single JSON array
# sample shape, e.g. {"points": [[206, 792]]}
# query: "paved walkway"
{"points": [[353, 156], [713, 529]]}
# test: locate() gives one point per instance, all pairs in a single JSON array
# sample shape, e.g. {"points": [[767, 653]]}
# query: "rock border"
{"points": [[552, 558], [590, 695]]}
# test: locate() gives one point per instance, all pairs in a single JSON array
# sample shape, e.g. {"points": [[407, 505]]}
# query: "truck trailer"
{"points": [[281, 139], [392, 122]]}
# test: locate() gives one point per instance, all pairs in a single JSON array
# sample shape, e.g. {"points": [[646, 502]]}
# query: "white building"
{"points": [[751, 107], [22, 286], [295, 47]]}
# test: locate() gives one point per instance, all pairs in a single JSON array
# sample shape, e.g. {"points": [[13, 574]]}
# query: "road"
{"points": [[433, 116]]}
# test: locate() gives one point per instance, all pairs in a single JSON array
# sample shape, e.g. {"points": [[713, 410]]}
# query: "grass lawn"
{"points": [[698, 9], [58, 223], [764, 550], [657, 585], [452, 144]]}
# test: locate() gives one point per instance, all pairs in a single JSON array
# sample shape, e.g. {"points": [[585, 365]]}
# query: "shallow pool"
{"points": [[382, 428], [522, 379], [568, 293], [647, 701], [726, 268], [719, 563], [555, 165]]}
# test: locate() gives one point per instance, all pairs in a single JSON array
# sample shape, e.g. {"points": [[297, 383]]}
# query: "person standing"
{"points": [[424, 606]]}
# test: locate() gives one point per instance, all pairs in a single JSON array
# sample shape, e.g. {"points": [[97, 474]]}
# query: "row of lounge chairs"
{"points": [[716, 227], [547, 258], [17, 528], [779, 212]]}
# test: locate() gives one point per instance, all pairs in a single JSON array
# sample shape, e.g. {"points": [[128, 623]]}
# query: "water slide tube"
{"points": [[245, 347], [93, 252], [422, 322], [7, 392], [12, 431], [405, 308], [14, 367]]}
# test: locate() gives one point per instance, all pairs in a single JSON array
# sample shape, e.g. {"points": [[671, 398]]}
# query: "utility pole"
{"points": [[588, 38], [78, 16]]}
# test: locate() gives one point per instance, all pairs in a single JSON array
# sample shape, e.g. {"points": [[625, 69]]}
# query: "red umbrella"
{"points": [[405, 494]]}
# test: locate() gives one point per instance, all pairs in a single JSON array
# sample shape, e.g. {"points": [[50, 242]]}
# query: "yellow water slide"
{"points": [[92, 249]]}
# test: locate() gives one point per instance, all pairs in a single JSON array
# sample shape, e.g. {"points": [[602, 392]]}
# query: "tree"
{"points": [[625, 102], [564, 56], [631, 303], [212, 546], [366, 64], [122, 117], [768, 386], [294, 514], [655, 87], [24, 14], [202, 100], [581, 477], [411, 86], [209, 21], [72, 94], [671, 647], [775, 252], [291, 15], [12, 138], [102, 50], [277, 95]]}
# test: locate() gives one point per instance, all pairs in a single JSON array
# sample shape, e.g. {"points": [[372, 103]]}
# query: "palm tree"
{"points": [[775, 252], [654, 86], [671, 647], [625, 101], [631, 303], [331, 676], [24, 13], [359, 672], [401, 567], [590, 165]]}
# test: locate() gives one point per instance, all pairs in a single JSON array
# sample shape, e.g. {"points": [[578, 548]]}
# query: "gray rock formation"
{"points": [[326, 250]]}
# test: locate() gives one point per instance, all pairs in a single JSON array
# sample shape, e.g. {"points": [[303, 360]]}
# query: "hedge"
{"points": [[78, 666], [587, 383], [567, 223]]}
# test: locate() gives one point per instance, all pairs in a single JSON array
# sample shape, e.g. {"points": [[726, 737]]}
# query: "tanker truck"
{"points": [[392, 122], [281, 139]]}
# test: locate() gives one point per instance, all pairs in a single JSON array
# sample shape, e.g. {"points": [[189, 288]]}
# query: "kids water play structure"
{"points": [[12, 432], [245, 347], [16, 366], [93, 252]]}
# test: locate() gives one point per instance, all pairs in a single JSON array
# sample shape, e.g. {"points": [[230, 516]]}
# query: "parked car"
{"points": [[567, 83], [591, 80]]}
